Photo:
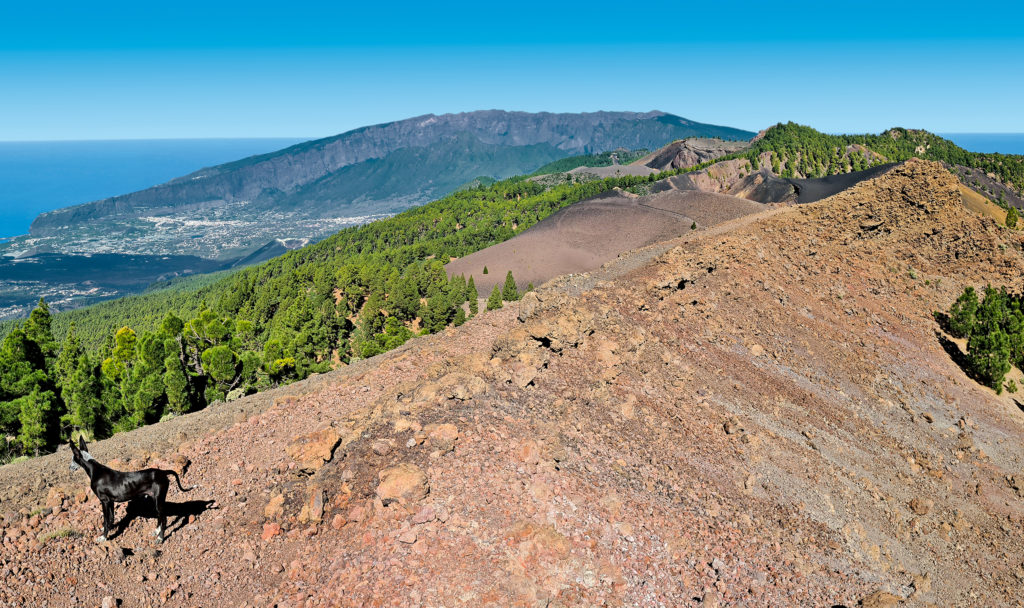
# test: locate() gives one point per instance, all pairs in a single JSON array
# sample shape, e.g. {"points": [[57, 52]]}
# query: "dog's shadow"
{"points": [[177, 513]]}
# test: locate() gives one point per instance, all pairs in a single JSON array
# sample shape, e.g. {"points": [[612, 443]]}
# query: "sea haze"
{"points": [[1004, 143], [43, 176]]}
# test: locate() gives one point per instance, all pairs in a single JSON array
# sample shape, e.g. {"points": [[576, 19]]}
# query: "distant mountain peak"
{"points": [[375, 169]]}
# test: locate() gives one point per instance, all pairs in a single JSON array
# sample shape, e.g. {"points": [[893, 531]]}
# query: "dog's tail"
{"points": [[178, 479]]}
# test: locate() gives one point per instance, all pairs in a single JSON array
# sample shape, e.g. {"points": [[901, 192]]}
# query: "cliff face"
{"points": [[270, 177]]}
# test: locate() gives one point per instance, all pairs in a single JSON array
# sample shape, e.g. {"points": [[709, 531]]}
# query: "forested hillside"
{"points": [[362, 291], [604, 159], [792, 150]]}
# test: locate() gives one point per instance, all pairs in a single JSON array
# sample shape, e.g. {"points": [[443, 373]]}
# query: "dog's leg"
{"points": [[159, 499], [108, 519]]}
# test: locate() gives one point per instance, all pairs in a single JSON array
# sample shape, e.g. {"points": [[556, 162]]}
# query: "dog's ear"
{"points": [[74, 448], [81, 443]]}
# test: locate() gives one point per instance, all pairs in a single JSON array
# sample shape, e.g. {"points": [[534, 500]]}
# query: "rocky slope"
{"points": [[756, 414], [690, 152], [765, 187]]}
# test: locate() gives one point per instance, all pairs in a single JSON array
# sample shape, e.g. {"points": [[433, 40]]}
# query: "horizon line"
{"points": [[315, 137]]}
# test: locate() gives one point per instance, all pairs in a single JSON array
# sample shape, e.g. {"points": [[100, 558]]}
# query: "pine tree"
{"points": [[80, 391], [403, 299], [221, 365], [1011, 217], [39, 329], [370, 321], [996, 330], [988, 354], [395, 334], [494, 301], [35, 412], [67, 361], [460, 316], [962, 314], [19, 366], [172, 326], [117, 370], [27, 391], [122, 359], [176, 385], [149, 399], [279, 367], [457, 289], [473, 297], [437, 312], [17, 378], [510, 292], [485, 270]]}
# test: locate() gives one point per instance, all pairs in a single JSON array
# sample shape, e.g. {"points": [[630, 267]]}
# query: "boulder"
{"points": [[462, 386], [313, 450], [442, 436], [880, 599], [275, 507], [313, 509], [921, 506], [404, 483], [528, 306]]}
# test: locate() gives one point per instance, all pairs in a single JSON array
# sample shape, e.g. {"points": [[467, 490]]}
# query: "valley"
{"points": [[69, 281], [121, 257]]}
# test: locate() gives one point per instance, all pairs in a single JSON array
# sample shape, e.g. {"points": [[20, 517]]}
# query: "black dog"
{"points": [[112, 486]]}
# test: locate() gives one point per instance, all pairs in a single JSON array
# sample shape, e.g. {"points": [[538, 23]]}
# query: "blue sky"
{"points": [[260, 69]]}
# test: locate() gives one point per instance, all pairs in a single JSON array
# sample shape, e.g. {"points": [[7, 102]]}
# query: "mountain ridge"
{"points": [[258, 178]]}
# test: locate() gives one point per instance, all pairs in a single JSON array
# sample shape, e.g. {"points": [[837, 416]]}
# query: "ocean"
{"points": [[43, 176], [1004, 143]]}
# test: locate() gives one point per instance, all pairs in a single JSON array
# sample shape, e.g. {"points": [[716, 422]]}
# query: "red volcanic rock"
{"points": [[404, 483]]}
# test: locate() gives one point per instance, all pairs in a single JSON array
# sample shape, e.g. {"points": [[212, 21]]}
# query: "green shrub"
{"points": [[61, 533]]}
